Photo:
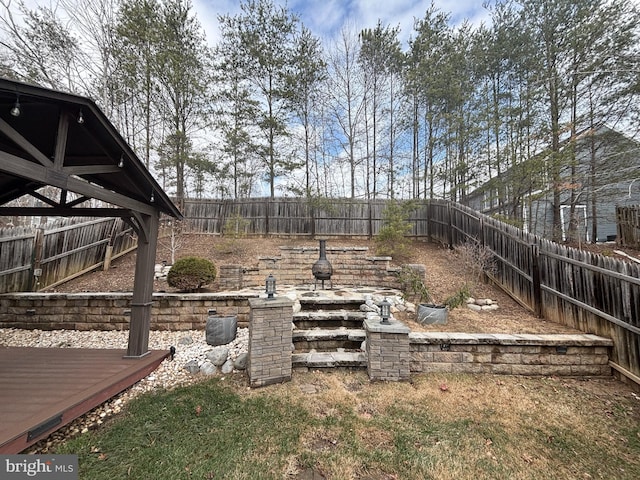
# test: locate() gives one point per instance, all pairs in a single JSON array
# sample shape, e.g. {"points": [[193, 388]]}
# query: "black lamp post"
{"points": [[385, 311], [270, 286]]}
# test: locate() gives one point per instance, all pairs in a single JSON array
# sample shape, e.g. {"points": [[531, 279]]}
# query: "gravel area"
{"points": [[190, 345]]}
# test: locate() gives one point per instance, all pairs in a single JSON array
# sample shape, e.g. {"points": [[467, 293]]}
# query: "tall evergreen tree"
{"points": [[236, 110], [137, 47], [267, 36], [428, 86], [183, 75]]}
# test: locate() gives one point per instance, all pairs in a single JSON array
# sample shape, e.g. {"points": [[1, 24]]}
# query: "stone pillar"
{"points": [[388, 355], [270, 341]]}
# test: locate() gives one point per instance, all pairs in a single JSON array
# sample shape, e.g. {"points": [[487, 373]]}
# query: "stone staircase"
{"points": [[328, 333]]}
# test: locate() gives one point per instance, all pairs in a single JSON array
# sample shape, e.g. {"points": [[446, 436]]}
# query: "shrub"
{"points": [[391, 239], [477, 259], [412, 285], [459, 298], [191, 273], [236, 226]]}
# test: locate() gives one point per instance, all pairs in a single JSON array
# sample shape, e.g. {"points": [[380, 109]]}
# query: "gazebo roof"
{"points": [[66, 141]]}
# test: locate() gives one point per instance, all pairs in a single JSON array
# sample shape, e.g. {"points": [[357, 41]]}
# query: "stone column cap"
{"points": [[395, 326], [264, 302]]}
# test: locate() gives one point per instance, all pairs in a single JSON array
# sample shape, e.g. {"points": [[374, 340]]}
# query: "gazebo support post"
{"points": [[143, 285]]}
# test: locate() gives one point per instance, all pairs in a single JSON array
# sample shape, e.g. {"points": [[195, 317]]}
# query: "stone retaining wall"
{"points": [[524, 354], [351, 266], [110, 311]]}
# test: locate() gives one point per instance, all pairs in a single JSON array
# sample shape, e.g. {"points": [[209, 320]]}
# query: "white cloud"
{"points": [[325, 18]]}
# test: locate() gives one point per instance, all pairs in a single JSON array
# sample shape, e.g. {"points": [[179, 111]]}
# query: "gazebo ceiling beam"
{"points": [[23, 143], [48, 176]]}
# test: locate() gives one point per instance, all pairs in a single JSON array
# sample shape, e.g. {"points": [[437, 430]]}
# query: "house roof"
{"points": [[66, 141]]}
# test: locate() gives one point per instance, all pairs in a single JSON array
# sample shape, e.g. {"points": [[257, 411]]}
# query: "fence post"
{"points": [[450, 222], [36, 259], [429, 213], [370, 225], [223, 215], [266, 217], [312, 211], [535, 279]]}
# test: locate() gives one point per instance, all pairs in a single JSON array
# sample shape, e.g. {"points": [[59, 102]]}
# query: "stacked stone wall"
{"points": [[111, 311], [525, 354], [352, 266]]}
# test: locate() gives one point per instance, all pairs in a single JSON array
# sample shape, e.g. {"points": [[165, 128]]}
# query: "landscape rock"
{"points": [[297, 306], [218, 356], [192, 366], [474, 307], [240, 363], [208, 368], [227, 367], [185, 341]]}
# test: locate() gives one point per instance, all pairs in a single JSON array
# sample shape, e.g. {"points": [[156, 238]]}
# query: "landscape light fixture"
{"points": [[80, 117], [270, 284], [385, 311], [15, 111]]}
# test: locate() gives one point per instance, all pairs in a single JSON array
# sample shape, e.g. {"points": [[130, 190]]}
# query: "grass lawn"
{"points": [[341, 426]]}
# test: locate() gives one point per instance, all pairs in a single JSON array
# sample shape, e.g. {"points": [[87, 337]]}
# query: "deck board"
{"points": [[40, 384]]}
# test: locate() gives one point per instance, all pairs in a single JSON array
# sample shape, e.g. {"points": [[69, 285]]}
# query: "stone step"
{"points": [[318, 334], [332, 303], [330, 314], [330, 360], [329, 319], [328, 340]]}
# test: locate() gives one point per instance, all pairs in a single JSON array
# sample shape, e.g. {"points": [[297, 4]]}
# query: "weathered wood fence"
{"points": [[33, 258], [628, 226], [593, 293], [293, 216]]}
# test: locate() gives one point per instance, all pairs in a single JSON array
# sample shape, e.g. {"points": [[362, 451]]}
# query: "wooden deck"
{"points": [[43, 389]]}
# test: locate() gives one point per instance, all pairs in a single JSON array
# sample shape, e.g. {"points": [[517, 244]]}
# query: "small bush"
{"points": [[191, 273], [412, 285], [235, 227], [478, 260], [391, 239], [459, 298]]}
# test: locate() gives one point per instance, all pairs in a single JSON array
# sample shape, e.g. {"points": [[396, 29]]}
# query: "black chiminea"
{"points": [[322, 269]]}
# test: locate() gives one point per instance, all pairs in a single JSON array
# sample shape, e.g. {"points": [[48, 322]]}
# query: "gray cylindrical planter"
{"points": [[221, 330], [429, 314]]}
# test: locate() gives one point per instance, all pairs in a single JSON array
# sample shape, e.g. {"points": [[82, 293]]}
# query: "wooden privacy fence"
{"points": [[628, 226], [593, 293], [33, 258], [293, 216]]}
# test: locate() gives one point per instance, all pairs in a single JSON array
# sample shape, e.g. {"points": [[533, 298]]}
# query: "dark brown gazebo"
{"points": [[51, 138], [65, 141]]}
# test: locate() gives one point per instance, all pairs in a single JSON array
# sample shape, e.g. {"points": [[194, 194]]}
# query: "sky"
{"points": [[325, 18]]}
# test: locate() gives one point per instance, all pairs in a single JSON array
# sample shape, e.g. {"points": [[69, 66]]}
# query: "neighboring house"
{"points": [[605, 174]]}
